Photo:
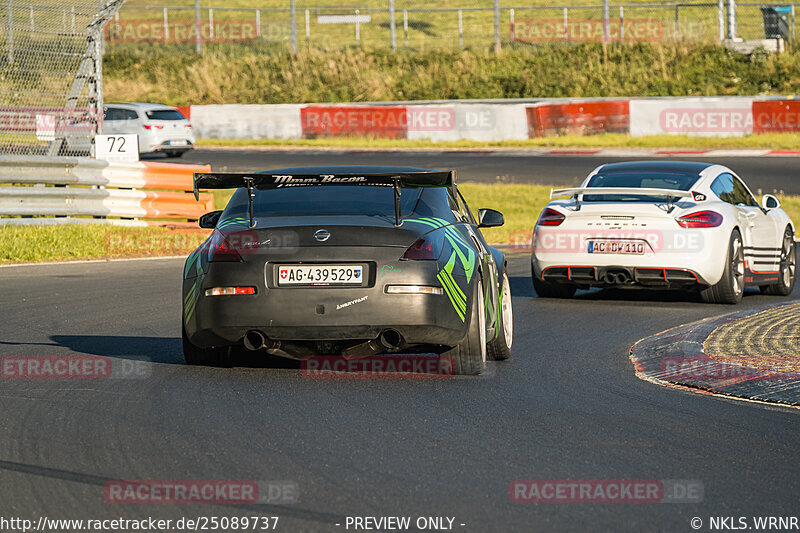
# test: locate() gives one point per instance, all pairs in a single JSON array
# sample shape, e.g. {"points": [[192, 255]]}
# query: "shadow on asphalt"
{"points": [[165, 350]]}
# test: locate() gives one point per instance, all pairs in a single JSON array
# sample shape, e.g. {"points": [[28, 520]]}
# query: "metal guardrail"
{"points": [[43, 186]]}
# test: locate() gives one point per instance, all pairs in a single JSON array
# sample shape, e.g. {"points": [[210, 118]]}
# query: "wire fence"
{"points": [[51, 75], [480, 23]]}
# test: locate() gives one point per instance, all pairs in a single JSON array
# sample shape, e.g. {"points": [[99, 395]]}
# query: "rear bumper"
{"points": [[688, 258], [324, 313], [622, 275]]}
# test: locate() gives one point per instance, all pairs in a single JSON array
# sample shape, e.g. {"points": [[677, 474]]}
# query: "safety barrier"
{"points": [[500, 120], [40, 188]]}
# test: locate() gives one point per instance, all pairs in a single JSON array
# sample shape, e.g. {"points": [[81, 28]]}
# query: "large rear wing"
{"points": [[266, 181], [631, 191]]}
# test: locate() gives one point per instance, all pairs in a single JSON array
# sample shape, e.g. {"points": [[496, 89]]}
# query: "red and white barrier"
{"points": [[499, 120]]}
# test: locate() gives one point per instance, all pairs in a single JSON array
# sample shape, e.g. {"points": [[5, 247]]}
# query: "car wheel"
{"points": [[787, 270], [469, 356], [174, 153], [199, 356], [547, 289], [499, 348], [730, 288]]}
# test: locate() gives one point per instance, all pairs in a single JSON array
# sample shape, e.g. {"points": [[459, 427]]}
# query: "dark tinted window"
{"points": [[164, 114], [731, 190], [638, 180], [129, 114], [341, 200]]}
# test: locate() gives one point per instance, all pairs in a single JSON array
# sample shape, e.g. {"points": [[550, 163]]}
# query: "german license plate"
{"points": [[320, 274], [617, 247], [177, 143]]}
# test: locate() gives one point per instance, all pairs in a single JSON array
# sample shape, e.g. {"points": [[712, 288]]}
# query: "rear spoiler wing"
{"points": [[398, 180], [633, 191]]}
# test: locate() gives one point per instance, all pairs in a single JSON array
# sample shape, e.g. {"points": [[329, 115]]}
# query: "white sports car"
{"points": [[663, 224]]}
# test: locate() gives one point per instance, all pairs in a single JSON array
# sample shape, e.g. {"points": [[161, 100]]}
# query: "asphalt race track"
{"points": [[566, 406], [767, 173]]}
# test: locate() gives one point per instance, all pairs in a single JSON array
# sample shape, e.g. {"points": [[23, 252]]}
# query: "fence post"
{"points": [[358, 28], [308, 25], [293, 23], [198, 39], [392, 28], [460, 30], [258, 23], [566, 25], [33, 28], [405, 27], [721, 19], [72, 11], [793, 24], [211, 23], [606, 20], [621, 24], [10, 32], [166, 25], [511, 22], [731, 19], [496, 26]]}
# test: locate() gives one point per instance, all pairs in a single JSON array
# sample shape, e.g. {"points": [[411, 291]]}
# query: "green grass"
{"points": [[771, 141], [259, 73], [521, 205], [24, 244]]}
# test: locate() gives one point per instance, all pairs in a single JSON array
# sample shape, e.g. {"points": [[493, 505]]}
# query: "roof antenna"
{"points": [[249, 182], [396, 186]]}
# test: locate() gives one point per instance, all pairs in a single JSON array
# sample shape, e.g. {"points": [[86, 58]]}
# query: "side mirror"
{"points": [[209, 220], [489, 218], [770, 202]]}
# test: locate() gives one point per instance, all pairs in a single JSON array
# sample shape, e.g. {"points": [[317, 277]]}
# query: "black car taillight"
{"points": [[550, 217], [221, 250], [427, 247]]}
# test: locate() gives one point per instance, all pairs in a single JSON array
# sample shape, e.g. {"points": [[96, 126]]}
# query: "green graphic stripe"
{"points": [[450, 296], [454, 291]]}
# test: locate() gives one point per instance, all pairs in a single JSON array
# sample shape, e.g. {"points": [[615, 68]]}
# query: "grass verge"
{"points": [[768, 141], [521, 205], [68, 242]]}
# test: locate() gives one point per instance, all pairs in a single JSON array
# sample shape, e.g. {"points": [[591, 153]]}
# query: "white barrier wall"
{"points": [[247, 121], [474, 122], [703, 117]]}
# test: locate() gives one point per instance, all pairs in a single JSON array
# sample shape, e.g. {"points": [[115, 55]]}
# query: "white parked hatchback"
{"points": [[160, 128]]}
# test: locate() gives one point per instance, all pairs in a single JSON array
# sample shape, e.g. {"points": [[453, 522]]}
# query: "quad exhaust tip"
{"points": [[616, 278]]}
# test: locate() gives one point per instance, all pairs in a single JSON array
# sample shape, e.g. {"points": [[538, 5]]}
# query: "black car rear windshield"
{"points": [[638, 180], [337, 200], [164, 114]]}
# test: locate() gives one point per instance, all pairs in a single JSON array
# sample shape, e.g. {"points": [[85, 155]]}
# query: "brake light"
{"points": [[550, 217], [428, 247], [230, 291], [700, 219], [153, 127], [221, 250]]}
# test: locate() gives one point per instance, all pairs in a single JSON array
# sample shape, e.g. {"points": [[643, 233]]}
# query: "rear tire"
{"points": [[200, 356], [175, 153], [547, 289], [499, 348], [469, 356], [730, 288], [787, 270]]}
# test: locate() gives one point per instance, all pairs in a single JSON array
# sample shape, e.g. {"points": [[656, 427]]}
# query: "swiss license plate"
{"points": [[320, 274], [177, 143], [617, 247]]}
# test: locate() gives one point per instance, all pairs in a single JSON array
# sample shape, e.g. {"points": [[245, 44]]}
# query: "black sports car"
{"points": [[351, 261]]}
